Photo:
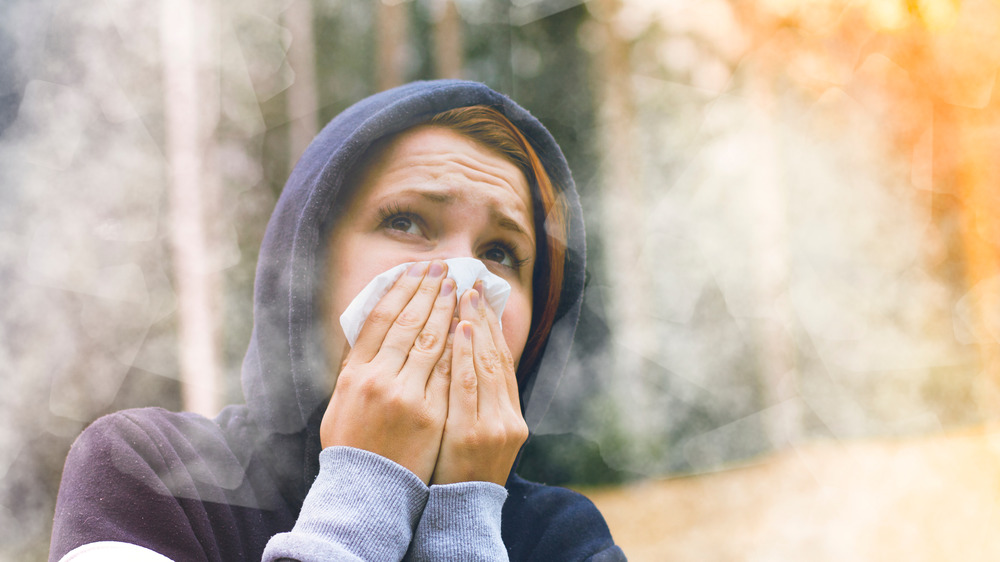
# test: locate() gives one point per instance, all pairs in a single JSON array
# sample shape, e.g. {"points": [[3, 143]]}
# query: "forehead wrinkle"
{"points": [[458, 168], [442, 180], [496, 178], [419, 150]]}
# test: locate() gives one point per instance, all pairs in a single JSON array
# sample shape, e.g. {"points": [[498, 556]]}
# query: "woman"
{"points": [[413, 454]]}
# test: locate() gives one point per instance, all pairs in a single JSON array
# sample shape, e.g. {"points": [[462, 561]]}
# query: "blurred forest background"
{"points": [[793, 215]]}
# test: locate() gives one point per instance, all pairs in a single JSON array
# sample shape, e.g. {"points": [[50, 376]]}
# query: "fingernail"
{"points": [[447, 287], [478, 285], [454, 324], [467, 330], [474, 299], [417, 269], [436, 269]]}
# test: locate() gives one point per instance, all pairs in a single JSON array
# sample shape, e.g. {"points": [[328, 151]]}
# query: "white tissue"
{"points": [[465, 272]]}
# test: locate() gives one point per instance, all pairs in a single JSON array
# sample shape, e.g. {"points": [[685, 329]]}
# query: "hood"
{"points": [[285, 378]]}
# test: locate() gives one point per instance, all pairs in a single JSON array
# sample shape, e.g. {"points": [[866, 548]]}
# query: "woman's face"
{"points": [[432, 193]]}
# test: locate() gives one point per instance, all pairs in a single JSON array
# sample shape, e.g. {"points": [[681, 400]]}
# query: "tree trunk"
{"points": [[302, 97], [392, 38], [189, 39], [447, 39]]}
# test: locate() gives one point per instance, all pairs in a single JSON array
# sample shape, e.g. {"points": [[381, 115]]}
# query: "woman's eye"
{"points": [[403, 224], [500, 256]]}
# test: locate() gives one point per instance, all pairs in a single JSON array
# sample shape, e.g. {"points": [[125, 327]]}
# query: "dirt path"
{"points": [[931, 499]]}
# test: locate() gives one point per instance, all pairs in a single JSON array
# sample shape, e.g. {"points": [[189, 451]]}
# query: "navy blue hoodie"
{"points": [[192, 488]]}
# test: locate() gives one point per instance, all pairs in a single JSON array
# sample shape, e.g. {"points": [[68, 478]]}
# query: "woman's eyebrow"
{"points": [[439, 197], [507, 223], [436, 196]]}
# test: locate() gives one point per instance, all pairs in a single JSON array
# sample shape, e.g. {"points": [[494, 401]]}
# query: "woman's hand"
{"points": [[485, 429], [391, 397]]}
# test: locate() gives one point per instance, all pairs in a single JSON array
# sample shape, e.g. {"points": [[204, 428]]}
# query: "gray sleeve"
{"points": [[362, 506], [461, 522]]}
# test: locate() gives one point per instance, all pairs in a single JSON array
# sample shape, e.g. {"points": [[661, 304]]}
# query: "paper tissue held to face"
{"points": [[465, 272]]}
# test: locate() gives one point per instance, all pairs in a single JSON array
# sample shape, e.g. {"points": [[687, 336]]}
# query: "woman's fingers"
{"points": [[483, 431], [382, 317], [439, 381], [489, 362], [423, 361], [500, 343], [412, 332], [409, 323], [464, 385]]}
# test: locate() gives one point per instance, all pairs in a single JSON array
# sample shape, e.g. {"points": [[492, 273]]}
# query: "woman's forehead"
{"points": [[445, 166]]}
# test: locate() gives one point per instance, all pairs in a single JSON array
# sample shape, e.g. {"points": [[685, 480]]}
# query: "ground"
{"points": [[917, 499]]}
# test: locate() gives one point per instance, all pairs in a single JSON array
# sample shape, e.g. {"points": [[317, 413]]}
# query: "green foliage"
{"points": [[568, 459]]}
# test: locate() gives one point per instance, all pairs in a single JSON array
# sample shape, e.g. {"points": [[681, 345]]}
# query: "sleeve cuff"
{"points": [[361, 505], [461, 522]]}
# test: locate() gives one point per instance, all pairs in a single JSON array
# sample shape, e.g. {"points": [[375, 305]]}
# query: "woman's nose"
{"points": [[455, 248]]}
